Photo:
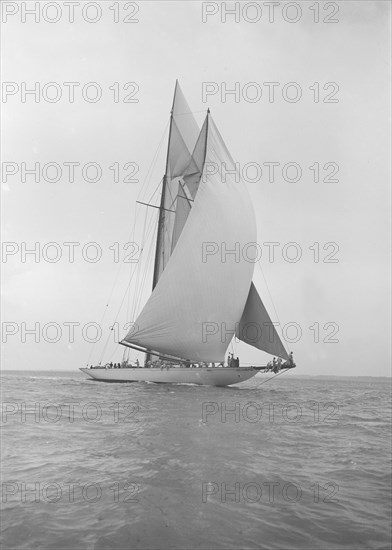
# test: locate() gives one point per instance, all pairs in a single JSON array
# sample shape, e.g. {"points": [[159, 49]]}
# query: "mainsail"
{"points": [[203, 293]]}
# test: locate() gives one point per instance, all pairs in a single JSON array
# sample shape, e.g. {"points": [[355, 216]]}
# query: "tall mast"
{"points": [[161, 208], [163, 192]]}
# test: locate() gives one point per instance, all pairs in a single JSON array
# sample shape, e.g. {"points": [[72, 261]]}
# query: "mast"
{"points": [[159, 232], [163, 192], [161, 207]]}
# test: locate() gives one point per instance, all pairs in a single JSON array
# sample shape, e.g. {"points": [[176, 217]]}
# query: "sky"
{"points": [[344, 296]]}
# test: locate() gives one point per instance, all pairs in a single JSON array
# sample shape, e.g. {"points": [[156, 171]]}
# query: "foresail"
{"points": [[201, 294], [256, 328]]}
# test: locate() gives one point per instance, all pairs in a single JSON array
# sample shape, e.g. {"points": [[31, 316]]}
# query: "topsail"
{"points": [[183, 134]]}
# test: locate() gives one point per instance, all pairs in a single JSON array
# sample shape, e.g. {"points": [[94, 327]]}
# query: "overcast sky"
{"points": [[169, 41]]}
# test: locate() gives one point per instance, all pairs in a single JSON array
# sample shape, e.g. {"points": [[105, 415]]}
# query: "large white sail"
{"points": [[193, 310], [256, 328]]}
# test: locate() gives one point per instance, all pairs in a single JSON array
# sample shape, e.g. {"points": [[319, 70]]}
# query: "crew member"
{"points": [[274, 364]]}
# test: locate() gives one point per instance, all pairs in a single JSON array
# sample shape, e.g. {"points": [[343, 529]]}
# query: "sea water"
{"points": [[294, 463]]}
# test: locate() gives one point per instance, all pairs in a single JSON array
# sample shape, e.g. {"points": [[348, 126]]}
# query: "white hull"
{"points": [[209, 376]]}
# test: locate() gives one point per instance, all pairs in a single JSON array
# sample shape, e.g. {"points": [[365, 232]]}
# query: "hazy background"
{"points": [[170, 41]]}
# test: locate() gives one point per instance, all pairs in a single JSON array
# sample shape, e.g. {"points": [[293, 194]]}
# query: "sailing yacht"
{"points": [[202, 295]]}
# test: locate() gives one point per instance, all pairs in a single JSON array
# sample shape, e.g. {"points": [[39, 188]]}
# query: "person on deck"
{"points": [[279, 364], [137, 363], [274, 364]]}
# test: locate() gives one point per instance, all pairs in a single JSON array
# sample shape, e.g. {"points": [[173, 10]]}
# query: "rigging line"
{"points": [[153, 222], [106, 308], [118, 312], [185, 195], [148, 175], [139, 267], [133, 309], [149, 260], [150, 168], [130, 239], [145, 237], [173, 200], [156, 189], [272, 301], [133, 236], [129, 296], [146, 271], [152, 164], [270, 295], [140, 193], [105, 346], [277, 374], [139, 290], [131, 316], [138, 202], [171, 196]]}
